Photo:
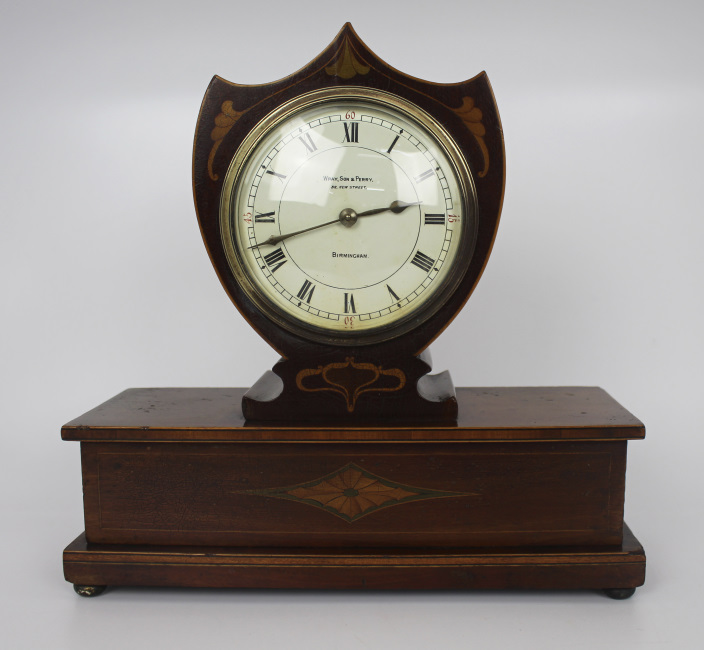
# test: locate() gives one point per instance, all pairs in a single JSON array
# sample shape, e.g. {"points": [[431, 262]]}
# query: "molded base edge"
{"points": [[518, 568]]}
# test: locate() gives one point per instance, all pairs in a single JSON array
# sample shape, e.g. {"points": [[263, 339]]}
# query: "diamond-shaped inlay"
{"points": [[352, 492]]}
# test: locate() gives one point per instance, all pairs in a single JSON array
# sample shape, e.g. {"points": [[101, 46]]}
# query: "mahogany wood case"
{"points": [[349, 466]]}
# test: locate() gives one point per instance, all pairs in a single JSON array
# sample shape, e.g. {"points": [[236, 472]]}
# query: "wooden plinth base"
{"points": [[525, 490], [613, 568]]}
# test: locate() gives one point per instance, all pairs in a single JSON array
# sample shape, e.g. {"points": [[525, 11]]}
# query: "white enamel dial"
{"points": [[346, 216]]}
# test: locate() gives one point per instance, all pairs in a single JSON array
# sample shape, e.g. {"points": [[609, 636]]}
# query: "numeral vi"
{"points": [[349, 304]]}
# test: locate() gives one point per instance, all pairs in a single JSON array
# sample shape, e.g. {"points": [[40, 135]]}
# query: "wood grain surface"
{"points": [[215, 414], [535, 568]]}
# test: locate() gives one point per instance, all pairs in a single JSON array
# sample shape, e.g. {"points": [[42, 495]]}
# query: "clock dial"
{"points": [[348, 215]]}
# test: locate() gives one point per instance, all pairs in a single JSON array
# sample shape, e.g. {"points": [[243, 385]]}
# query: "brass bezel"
{"points": [[408, 321]]}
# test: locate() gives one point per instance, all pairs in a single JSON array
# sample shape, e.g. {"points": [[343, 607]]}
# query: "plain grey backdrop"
{"points": [[595, 279]]}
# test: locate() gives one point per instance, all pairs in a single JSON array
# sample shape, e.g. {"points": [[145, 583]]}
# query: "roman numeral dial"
{"points": [[346, 216]]}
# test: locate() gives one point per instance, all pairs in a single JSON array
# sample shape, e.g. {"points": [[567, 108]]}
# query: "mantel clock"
{"points": [[349, 211]]}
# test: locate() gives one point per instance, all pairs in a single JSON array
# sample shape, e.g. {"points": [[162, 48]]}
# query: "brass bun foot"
{"points": [[620, 594], [88, 591]]}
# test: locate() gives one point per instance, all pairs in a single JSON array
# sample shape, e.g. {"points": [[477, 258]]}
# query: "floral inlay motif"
{"points": [[352, 492], [224, 121], [351, 379], [472, 117], [346, 64]]}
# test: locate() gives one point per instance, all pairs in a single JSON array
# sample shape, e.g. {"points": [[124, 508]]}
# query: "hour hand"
{"points": [[275, 239]]}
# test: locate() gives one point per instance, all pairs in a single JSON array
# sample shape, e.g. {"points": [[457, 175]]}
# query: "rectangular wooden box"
{"points": [[522, 467]]}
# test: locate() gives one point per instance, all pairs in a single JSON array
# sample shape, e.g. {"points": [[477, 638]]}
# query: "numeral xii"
{"points": [[351, 131]]}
